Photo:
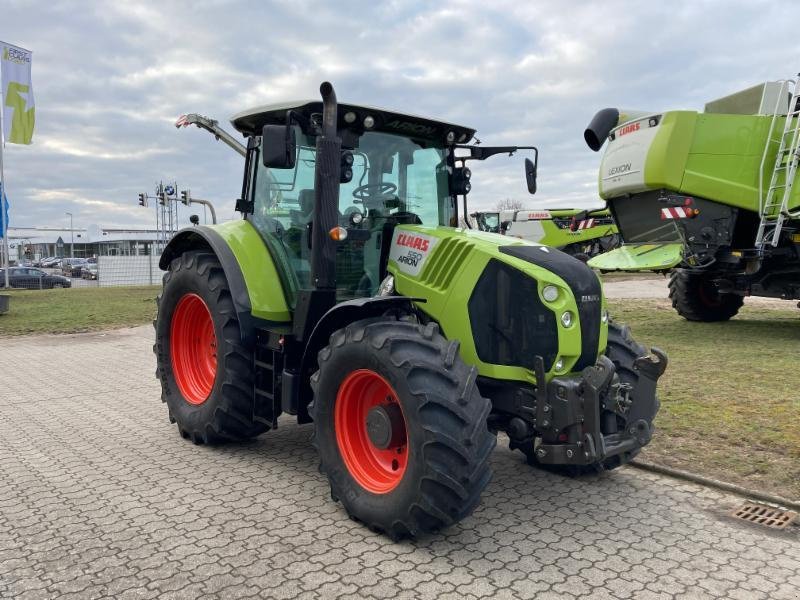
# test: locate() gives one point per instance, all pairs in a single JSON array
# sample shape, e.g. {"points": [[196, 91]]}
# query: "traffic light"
{"points": [[142, 199], [162, 198], [186, 197]]}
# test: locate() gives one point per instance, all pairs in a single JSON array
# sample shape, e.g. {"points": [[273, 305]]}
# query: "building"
{"points": [[34, 243]]}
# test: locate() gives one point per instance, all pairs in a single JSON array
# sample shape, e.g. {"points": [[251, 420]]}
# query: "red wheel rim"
{"points": [[376, 470], [193, 348]]}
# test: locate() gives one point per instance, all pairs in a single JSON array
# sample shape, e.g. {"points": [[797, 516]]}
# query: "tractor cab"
{"points": [[394, 169], [488, 221]]}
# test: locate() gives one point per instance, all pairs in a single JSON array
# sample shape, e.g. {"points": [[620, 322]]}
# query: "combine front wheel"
{"points": [[400, 427], [696, 298]]}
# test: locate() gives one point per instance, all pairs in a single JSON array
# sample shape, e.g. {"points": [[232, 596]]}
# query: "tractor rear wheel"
{"points": [[206, 373], [696, 298], [400, 427]]}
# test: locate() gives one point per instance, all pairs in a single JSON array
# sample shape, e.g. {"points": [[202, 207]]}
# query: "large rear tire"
{"points": [[696, 298], [206, 372], [405, 385]]}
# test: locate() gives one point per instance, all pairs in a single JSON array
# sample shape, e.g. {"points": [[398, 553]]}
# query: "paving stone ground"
{"points": [[100, 498]]}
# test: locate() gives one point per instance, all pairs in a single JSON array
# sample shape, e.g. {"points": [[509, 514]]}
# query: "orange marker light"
{"points": [[338, 234]]}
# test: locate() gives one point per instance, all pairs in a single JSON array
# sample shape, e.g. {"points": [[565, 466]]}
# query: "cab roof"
{"points": [[249, 122]]}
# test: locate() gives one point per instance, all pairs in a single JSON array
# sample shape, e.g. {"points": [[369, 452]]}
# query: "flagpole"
{"points": [[3, 195]]}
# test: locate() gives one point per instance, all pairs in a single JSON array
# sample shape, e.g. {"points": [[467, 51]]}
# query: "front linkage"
{"points": [[600, 418], [585, 406]]}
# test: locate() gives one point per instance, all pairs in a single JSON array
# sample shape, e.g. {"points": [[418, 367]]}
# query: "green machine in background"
{"points": [[707, 195], [581, 233], [347, 296]]}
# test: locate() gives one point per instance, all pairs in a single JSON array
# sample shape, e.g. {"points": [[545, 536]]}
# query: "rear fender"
{"points": [[206, 239]]}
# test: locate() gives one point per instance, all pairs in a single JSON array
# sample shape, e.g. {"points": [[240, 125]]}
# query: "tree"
{"points": [[509, 204]]}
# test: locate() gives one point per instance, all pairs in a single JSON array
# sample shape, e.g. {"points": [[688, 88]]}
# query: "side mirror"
{"points": [[504, 226], [530, 175], [278, 146]]}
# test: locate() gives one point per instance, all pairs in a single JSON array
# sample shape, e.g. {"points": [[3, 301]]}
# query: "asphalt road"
{"points": [[100, 497]]}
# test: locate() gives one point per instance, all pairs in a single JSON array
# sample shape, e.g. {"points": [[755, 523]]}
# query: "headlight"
{"points": [[566, 319], [550, 293], [559, 364], [604, 318]]}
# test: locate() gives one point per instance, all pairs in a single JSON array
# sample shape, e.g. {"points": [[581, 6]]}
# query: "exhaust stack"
{"points": [[326, 200], [605, 121]]}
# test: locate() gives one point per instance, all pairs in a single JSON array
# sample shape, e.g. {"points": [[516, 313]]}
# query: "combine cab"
{"points": [[709, 196]]}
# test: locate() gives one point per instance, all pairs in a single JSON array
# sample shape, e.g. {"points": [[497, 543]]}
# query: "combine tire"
{"points": [[206, 373], [400, 427], [623, 351], [696, 298]]}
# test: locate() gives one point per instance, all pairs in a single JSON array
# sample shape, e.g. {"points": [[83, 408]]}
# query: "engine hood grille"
{"points": [[585, 287]]}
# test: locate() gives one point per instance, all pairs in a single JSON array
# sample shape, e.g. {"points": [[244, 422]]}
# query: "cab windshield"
{"points": [[396, 180]]}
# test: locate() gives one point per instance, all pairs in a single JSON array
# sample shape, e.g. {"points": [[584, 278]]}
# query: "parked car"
{"points": [[51, 262], [46, 261], [89, 270], [34, 279], [71, 267]]}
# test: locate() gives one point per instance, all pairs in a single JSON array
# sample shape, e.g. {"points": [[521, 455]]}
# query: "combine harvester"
{"points": [[580, 233], [708, 196], [346, 295]]}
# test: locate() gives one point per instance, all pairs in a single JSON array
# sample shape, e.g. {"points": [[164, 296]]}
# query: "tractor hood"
{"points": [[639, 257], [488, 291]]}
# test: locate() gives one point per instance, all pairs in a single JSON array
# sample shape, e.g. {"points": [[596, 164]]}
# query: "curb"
{"points": [[715, 483]]}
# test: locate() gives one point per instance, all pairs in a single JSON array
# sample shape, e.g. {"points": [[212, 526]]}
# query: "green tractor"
{"points": [[708, 197], [580, 233], [346, 297]]}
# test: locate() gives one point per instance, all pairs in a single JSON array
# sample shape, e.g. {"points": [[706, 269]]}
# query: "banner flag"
{"points": [[18, 109], [3, 210]]}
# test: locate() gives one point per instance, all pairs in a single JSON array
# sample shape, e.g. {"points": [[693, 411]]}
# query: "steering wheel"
{"points": [[375, 192]]}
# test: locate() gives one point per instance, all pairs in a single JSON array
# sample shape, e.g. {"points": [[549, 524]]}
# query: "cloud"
{"points": [[110, 79]]}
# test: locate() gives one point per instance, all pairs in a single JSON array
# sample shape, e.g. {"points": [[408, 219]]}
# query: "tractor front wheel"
{"points": [[696, 298], [400, 427], [206, 373]]}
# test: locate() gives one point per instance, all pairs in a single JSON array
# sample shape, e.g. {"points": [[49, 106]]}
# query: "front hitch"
{"points": [[586, 419]]}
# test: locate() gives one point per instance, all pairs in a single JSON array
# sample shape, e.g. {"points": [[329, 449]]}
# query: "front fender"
{"points": [[337, 317]]}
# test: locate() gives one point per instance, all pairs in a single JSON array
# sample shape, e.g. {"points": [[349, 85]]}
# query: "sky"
{"points": [[110, 79]]}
